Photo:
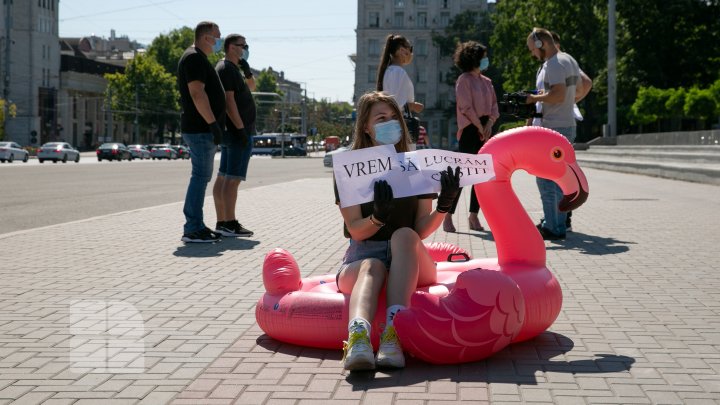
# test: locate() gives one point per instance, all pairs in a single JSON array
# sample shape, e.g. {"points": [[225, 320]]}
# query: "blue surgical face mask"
{"points": [[484, 63], [388, 132], [246, 54], [217, 46]]}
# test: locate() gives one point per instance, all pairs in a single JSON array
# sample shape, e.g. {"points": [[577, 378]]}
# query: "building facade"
{"points": [[30, 68], [415, 20]]}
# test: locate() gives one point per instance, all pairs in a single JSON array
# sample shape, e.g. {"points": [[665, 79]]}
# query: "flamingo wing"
{"points": [[480, 316]]}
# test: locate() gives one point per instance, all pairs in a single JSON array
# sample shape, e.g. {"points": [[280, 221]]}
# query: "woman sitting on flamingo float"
{"points": [[444, 312]]}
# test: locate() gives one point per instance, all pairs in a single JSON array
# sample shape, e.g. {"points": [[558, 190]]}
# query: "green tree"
{"points": [[466, 26], [154, 89], [167, 49], [649, 106], [267, 118], [700, 104], [11, 112]]}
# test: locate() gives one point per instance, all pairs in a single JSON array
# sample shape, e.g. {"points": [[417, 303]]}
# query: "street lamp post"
{"points": [[611, 130]]}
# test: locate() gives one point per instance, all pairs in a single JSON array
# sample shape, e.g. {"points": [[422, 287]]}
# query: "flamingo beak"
{"points": [[575, 188]]}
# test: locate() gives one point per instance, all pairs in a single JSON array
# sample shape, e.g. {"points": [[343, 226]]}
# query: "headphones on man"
{"points": [[538, 42]]}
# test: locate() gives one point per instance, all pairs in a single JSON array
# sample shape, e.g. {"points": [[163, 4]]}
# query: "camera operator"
{"points": [[559, 76]]}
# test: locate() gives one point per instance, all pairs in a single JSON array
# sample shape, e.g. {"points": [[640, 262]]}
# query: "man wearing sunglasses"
{"points": [[236, 146], [202, 98]]}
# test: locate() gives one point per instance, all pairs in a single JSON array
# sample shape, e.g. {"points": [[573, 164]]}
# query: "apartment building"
{"points": [[416, 20], [29, 68]]}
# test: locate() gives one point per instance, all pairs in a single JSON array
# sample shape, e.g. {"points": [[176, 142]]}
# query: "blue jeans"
{"points": [[202, 156], [234, 157], [551, 194]]}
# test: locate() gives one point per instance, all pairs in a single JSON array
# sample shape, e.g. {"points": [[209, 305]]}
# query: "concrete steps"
{"points": [[695, 163]]}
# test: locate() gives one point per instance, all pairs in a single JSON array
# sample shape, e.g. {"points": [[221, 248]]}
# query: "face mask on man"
{"points": [[388, 133], [484, 63], [245, 54], [217, 46]]}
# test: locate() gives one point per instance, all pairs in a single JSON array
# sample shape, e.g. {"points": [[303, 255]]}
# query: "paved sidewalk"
{"points": [[117, 310]]}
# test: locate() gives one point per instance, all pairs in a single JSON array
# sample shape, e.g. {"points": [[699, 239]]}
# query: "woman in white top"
{"points": [[392, 78]]}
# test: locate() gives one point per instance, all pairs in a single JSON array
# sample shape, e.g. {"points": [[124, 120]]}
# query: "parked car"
{"points": [[183, 152], [327, 160], [139, 152], [58, 151], [289, 151], [113, 151], [12, 150], [163, 151]]}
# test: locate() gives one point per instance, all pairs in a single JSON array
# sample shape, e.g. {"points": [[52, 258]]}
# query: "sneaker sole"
{"points": [[233, 234], [190, 240], [361, 365], [386, 362]]}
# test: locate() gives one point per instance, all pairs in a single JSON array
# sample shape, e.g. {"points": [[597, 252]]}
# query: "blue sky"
{"points": [[309, 40]]}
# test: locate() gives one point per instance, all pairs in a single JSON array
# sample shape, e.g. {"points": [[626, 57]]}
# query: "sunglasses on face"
{"points": [[243, 46]]}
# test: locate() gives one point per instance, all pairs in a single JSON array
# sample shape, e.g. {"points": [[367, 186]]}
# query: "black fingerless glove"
{"points": [[241, 136], [217, 132], [450, 187], [245, 67], [383, 201]]}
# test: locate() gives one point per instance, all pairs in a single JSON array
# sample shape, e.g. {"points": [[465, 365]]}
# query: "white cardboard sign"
{"points": [[409, 173]]}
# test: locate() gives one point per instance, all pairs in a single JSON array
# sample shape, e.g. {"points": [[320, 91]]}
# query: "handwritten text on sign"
{"points": [[409, 173]]}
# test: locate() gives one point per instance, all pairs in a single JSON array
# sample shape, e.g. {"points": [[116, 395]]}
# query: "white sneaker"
{"points": [[390, 353], [358, 352]]}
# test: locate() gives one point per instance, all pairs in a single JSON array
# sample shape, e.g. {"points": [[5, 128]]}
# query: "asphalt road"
{"points": [[34, 195]]}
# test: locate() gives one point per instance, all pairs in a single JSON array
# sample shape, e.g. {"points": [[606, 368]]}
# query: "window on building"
{"points": [[372, 74], [422, 19], [421, 72], [373, 47], [421, 48], [445, 3], [399, 3], [399, 19], [374, 19], [443, 99], [444, 19], [421, 2]]}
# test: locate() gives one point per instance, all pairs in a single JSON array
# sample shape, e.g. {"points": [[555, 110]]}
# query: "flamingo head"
{"points": [[541, 152]]}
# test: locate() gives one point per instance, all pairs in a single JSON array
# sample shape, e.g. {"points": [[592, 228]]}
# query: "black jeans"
{"points": [[470, 143]]}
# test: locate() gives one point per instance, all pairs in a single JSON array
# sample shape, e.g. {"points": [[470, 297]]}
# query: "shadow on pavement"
{"points": [[517, 364], [214, 249], [591, 245]]}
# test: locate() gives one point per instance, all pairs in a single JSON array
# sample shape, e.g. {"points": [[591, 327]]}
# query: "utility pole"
{"points": [[6, 69], [136, 129], [109, 117], [611, 130]]}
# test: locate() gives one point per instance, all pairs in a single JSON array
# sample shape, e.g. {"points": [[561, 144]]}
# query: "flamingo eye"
{"points": [[557, 154]]}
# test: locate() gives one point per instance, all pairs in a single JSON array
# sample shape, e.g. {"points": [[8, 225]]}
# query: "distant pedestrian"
{"points": [[423, 141], [392, 79], [202, 98], [237, 143], [476, 112], [559, 76]]}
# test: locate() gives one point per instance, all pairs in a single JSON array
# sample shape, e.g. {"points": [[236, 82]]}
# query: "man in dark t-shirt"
{"points": [[202, 98], [236, 147]]}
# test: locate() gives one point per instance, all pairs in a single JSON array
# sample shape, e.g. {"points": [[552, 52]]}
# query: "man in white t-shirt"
{"points": [[560, 75]]}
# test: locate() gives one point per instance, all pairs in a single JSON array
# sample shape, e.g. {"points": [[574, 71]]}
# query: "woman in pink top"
{"points": [[477, 111]]}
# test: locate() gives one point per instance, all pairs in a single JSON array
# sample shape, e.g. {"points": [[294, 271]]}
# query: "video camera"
{"points": [[513, 104]]}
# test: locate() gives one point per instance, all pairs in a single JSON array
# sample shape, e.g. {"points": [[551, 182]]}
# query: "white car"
{"points": [[58, 151], [12, 150], [327, 160]]}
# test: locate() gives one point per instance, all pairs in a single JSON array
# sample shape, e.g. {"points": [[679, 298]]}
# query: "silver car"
{"points": [[9, 151], [163, 151], [327, 160], [58, 151], [139, 152]]}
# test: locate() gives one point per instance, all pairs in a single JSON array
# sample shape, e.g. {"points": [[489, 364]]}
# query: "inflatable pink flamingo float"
{"points": [[478, 306]]}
